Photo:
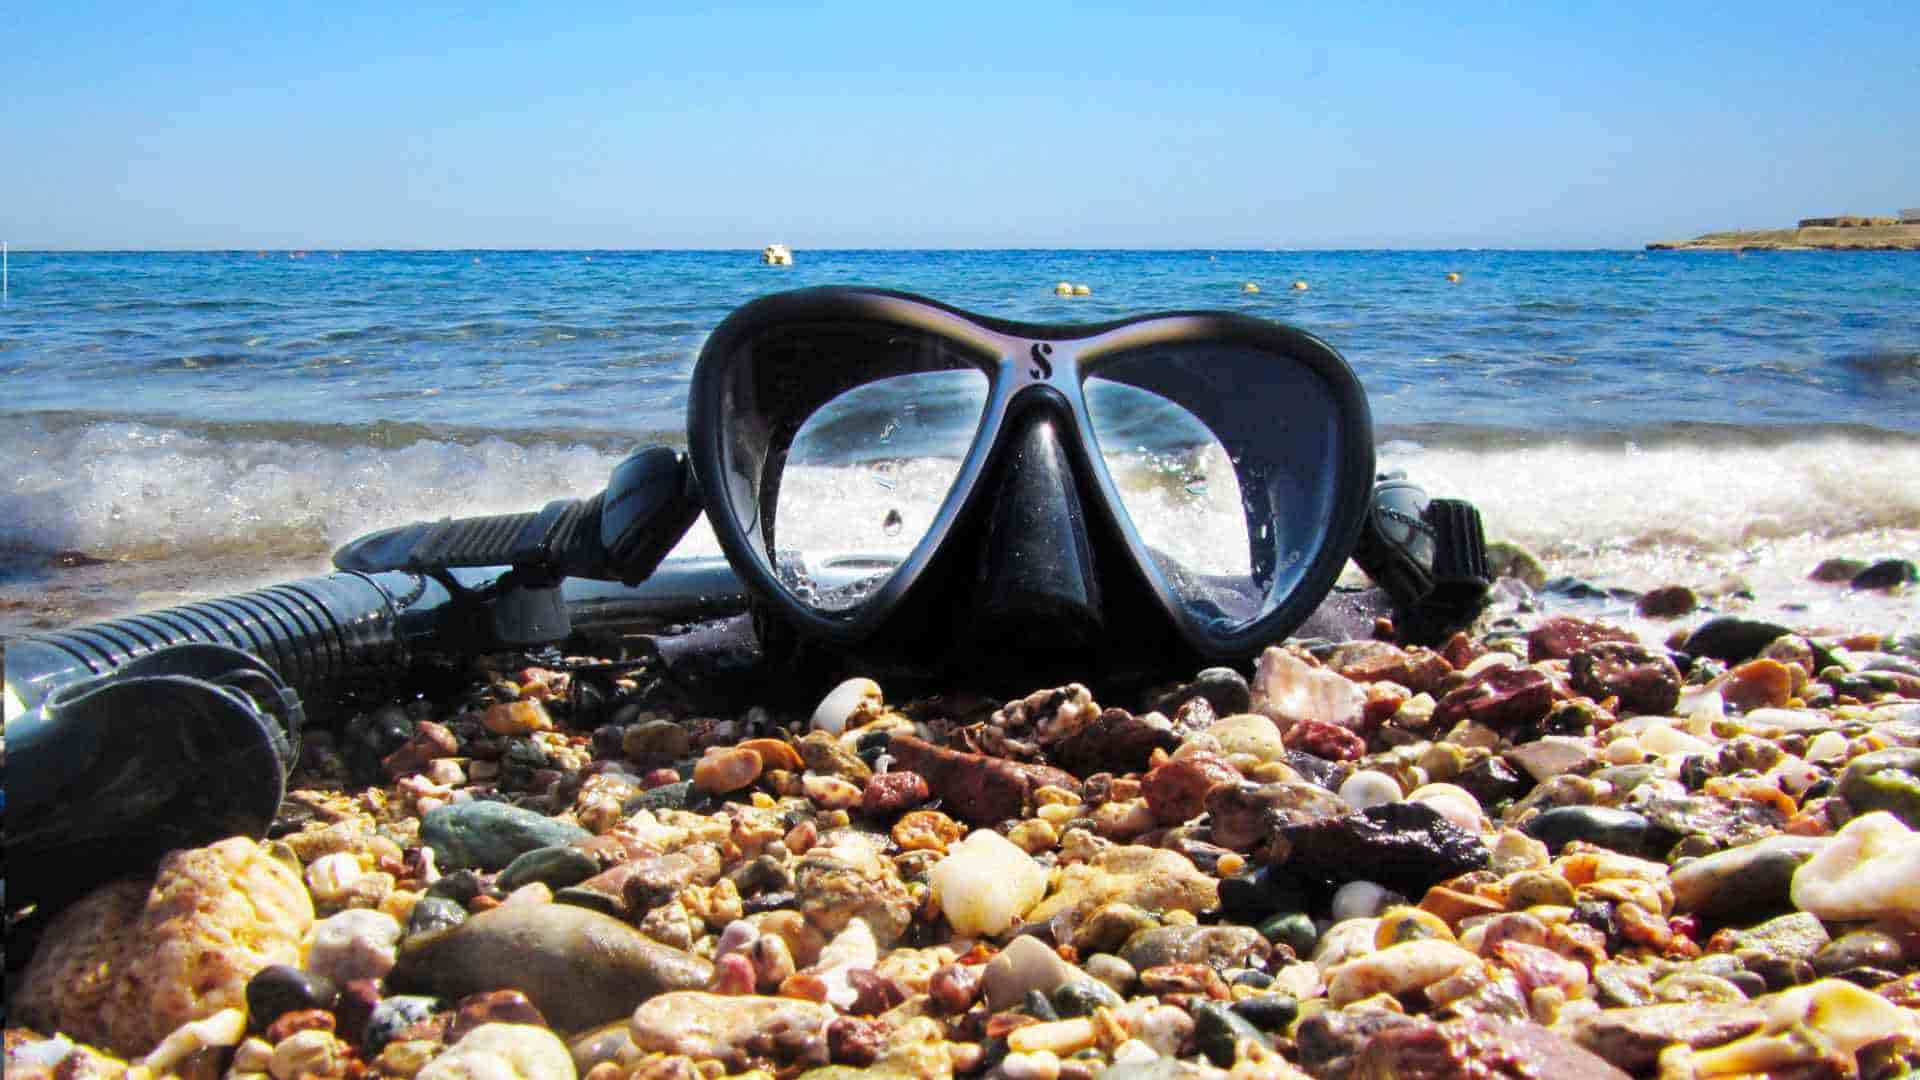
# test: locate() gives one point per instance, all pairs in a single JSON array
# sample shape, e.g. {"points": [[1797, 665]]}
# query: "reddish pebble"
{"points": [[856, 1042], [733, 974], [430, 741], [659, 778], [874, 993], [720, 771], [302, 1020], [1498, 697], [890, 793], [1177, 791], [956, 987], [1560, 637], [1322, 739], [493, 1007]]}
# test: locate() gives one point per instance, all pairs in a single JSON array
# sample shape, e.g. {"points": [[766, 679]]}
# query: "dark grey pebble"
{"points": [[1037, 1006], [1081, 996], [1616, 830], [1732, 639], [1224, 688], [461, 887], [394, 1015], [280, 989], [433, 913], [1861, 948], [489, 835], [1217, 1030], [370, 737], [665, 797], [556, 867], [1294, 929], [1756, 877], [1884, 780], [1886, 574], [1268, 1012]]}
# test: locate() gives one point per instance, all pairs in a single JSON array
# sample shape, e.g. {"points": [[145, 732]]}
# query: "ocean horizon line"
{"points": [[324, 249]]}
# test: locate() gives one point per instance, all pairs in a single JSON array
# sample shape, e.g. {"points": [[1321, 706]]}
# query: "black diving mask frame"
{"points": [[1281, 404]]}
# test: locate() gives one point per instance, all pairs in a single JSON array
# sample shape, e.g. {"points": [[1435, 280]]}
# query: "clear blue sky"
{"points": [[972, 124]]}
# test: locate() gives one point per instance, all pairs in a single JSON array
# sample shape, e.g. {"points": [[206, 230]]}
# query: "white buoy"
{"points": [[776, 255], [1249, 287], [1082, 290], [1064, 288]]}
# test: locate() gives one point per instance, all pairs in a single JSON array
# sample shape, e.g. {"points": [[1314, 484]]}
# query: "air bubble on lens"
{"points": [[892, 523]]}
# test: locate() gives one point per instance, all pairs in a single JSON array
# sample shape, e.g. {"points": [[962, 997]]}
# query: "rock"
{"points": [[1116, 741], [1632, 1038], [1397, 969], [1025, 966], [1616, 830], [831, 891], [1370, 787], [974, 787], [732, 1030], [554, 867], [1886, 574], [1477, 1046], [1731, 639], [986, 883], [578, 967], [1151, 878], [1218, 1032], [1323, 1038], [1757, 876], [503, 1052], [1871, 870], [824, 755], [1867, 948], [1492, 781], [1248, 733], [656, 737], [1082, 996], [283, 988], [891, 793], [1405, 846], [1667, 602], [1886, 780], [1176, 790], [850, 704], [1835, 570], [1726, 822], [1268, 1012], [722, 769], [1499, 697], [127, 964], [671, 796], [428, 743], [1218, 947], [370, 738], [392, 1016], [1643, 681], [489, 835], [1288, 690], [1551, 755], [516, 718], [1419, 670], [356, 944], [1244, 814], [1323, 739], [1798, 936], [1563, 636], [1756, 684], [1223, 688]]}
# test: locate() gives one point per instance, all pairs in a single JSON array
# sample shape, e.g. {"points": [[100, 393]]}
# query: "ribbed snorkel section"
{"points": [[312, 632]]}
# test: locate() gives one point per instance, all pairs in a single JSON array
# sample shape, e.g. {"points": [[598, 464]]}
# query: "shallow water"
{"points": [[210, 419]]}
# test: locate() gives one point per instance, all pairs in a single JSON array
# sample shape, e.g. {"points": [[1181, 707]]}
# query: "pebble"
{"points": [[283, 988], [1618, 830], [352, 945], [392, 1016], [725, 1029], [1367, 787], [1871, 870], [489, 835], [503, 1052], [722, 770], [555, 867], [836, 711]]}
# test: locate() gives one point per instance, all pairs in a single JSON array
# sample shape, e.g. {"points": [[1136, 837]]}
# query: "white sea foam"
{"points": [[1625, 516]]}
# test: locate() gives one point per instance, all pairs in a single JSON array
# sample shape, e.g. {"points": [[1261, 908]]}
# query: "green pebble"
{"points": [[1293, 929]]}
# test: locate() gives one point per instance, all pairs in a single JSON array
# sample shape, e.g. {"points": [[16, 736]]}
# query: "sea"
{"points": [[180, 425]]}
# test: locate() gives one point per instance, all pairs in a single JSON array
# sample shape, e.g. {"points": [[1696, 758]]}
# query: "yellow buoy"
{"points": [[1299, 286], [1082, 290], [1249, 287], [1065, 288], [1453, 277]]}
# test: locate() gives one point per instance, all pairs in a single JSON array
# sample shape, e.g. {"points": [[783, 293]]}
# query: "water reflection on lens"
{"points": [[865, 478]]}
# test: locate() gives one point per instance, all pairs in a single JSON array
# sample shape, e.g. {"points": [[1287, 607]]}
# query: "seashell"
{"points": [[855, 697]]}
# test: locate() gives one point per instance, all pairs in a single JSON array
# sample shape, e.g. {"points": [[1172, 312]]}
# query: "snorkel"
{"points": [[1027, 560]]}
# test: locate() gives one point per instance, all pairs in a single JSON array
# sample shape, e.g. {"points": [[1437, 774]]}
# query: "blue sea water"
{"points": [[1652, 413]]}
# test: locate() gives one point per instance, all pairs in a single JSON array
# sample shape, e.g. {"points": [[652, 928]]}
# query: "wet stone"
{"points": [[394, 1015], [554, 867], [1884, 780], [1082, 996], [1561, 637], [431, 913], [1632, 1038], [1218, 1030], [1859, 949], [460, 886], [1223, 688], [489, 835], [1268, 1012], [1114, 741], [1643, 681], [1618, 830], [1886, 574], [1798, 936], [1218, 947], [1466, 1047], [1731, 639], [1667, 602], [1407, 847], [281, 988], [675, 796], [1492, 781], [1499, 698]]}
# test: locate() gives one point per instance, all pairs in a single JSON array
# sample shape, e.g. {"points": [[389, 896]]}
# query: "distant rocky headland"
{"points": [[1847, 233]]}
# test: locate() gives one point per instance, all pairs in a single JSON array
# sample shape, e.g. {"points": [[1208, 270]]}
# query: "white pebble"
{"points": [[1134, 1052], [1827, 746], [1360, 900], [1625, 751], [1397, 969], [446, 772], [1037, 1065], [357, 944], [329, 877], [1871, 870], [307, 1052], [1369, 787], [985, 883], [1663, 740], [859, 695], [1454, 803], [504, 1052]]}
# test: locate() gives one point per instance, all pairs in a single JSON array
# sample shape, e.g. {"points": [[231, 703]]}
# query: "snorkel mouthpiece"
{"points": [[1037, 584]]}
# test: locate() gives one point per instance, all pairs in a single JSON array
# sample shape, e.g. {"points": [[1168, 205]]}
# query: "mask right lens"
{"points": [[1229, 461]]}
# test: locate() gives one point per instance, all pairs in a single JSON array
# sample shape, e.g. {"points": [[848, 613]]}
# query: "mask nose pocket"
{"points": [[1037, 582]]}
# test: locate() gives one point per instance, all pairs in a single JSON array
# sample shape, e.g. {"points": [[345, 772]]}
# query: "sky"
{"points": [[132, 125]]}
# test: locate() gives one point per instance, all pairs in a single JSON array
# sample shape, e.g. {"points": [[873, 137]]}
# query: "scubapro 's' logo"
{"points": [[1043, 368]]}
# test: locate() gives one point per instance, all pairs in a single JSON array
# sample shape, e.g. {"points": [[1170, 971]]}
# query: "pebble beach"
{"points": [[1551, 846]]}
